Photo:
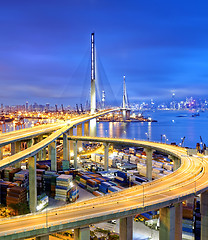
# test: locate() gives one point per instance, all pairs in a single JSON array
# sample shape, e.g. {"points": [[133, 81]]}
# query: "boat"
{"points": [[195, 115], [181, 116]]}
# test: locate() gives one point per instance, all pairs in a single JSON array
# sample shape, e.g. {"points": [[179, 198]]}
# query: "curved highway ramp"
{"points": [[189, 179]]}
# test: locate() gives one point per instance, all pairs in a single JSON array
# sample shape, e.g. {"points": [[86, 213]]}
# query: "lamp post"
{"points": [[182, 141], [143, 195], [195, 184], [46, 218], [147, 136], [165, 137]]}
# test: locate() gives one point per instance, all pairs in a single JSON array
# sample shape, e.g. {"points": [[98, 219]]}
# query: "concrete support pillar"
{"points": [[86, 128], [25, 145], [79, 133], [46, 237], [167, 223], [149, 152], [31, 142], [65, 147], [22, 145], [49, 152], [15, 148], [93, 127], [70, 142], [124, 114], [12, 148], [40, 154], [1, 153], [52, 155], [82, 233], [204, 215], [32, 183], [126, 228], [178, 220], [40, 138], [75, 154], [44, 154], [176, 162], [128, 113], [106, 150]]}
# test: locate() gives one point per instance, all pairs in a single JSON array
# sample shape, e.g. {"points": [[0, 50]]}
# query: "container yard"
{"points": [[127, 168]]}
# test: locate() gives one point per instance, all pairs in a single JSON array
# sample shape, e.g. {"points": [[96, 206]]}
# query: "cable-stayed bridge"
{"points": [[189, 179]]}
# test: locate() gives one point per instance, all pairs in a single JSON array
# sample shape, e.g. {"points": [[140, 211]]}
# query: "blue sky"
{"points": [[161, 46]]}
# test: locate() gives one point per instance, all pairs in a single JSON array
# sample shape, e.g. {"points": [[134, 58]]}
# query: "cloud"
{"points": [[45, 47]]}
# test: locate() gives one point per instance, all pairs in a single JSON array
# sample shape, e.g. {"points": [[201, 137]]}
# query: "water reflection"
{"points": [[190, 127], [149, 131]]}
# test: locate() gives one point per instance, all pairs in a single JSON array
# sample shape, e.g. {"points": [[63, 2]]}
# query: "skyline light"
{"points": [[158, 46]]}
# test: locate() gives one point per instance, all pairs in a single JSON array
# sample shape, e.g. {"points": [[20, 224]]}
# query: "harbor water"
{"points": [[171, 126]]}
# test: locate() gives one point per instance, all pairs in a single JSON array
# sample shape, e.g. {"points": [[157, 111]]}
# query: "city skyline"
{"points": [[45, 49], [188, 103]]}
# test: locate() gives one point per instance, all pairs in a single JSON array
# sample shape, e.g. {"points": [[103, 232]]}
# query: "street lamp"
{"points": [[165, 137], [46, 218], [147, 136], [143, 195], [182, 141], [195, 184]]}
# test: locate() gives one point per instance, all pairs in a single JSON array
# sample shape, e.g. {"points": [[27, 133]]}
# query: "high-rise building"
{"points": [[56, 107], [47, 107], [62, 107], [26, 106], [173, 103]]}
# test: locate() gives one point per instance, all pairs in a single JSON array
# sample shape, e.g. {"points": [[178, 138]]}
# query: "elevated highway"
{"points": [[168, 149], [189, 179], [27, 133], [57, 129]]}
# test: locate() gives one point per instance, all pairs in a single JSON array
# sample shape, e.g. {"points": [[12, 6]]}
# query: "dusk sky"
{"points": [[160, 46]]}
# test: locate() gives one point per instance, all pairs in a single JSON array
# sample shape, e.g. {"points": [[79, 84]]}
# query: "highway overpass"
{"points": [[165, 194]]}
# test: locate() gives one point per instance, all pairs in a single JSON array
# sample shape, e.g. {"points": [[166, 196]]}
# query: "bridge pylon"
{"points": [[125, 103], [93, 88]]}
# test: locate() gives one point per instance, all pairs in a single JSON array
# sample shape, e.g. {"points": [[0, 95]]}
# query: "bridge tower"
{"points": [[93, 89], [125, 103], [103, 99]]}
